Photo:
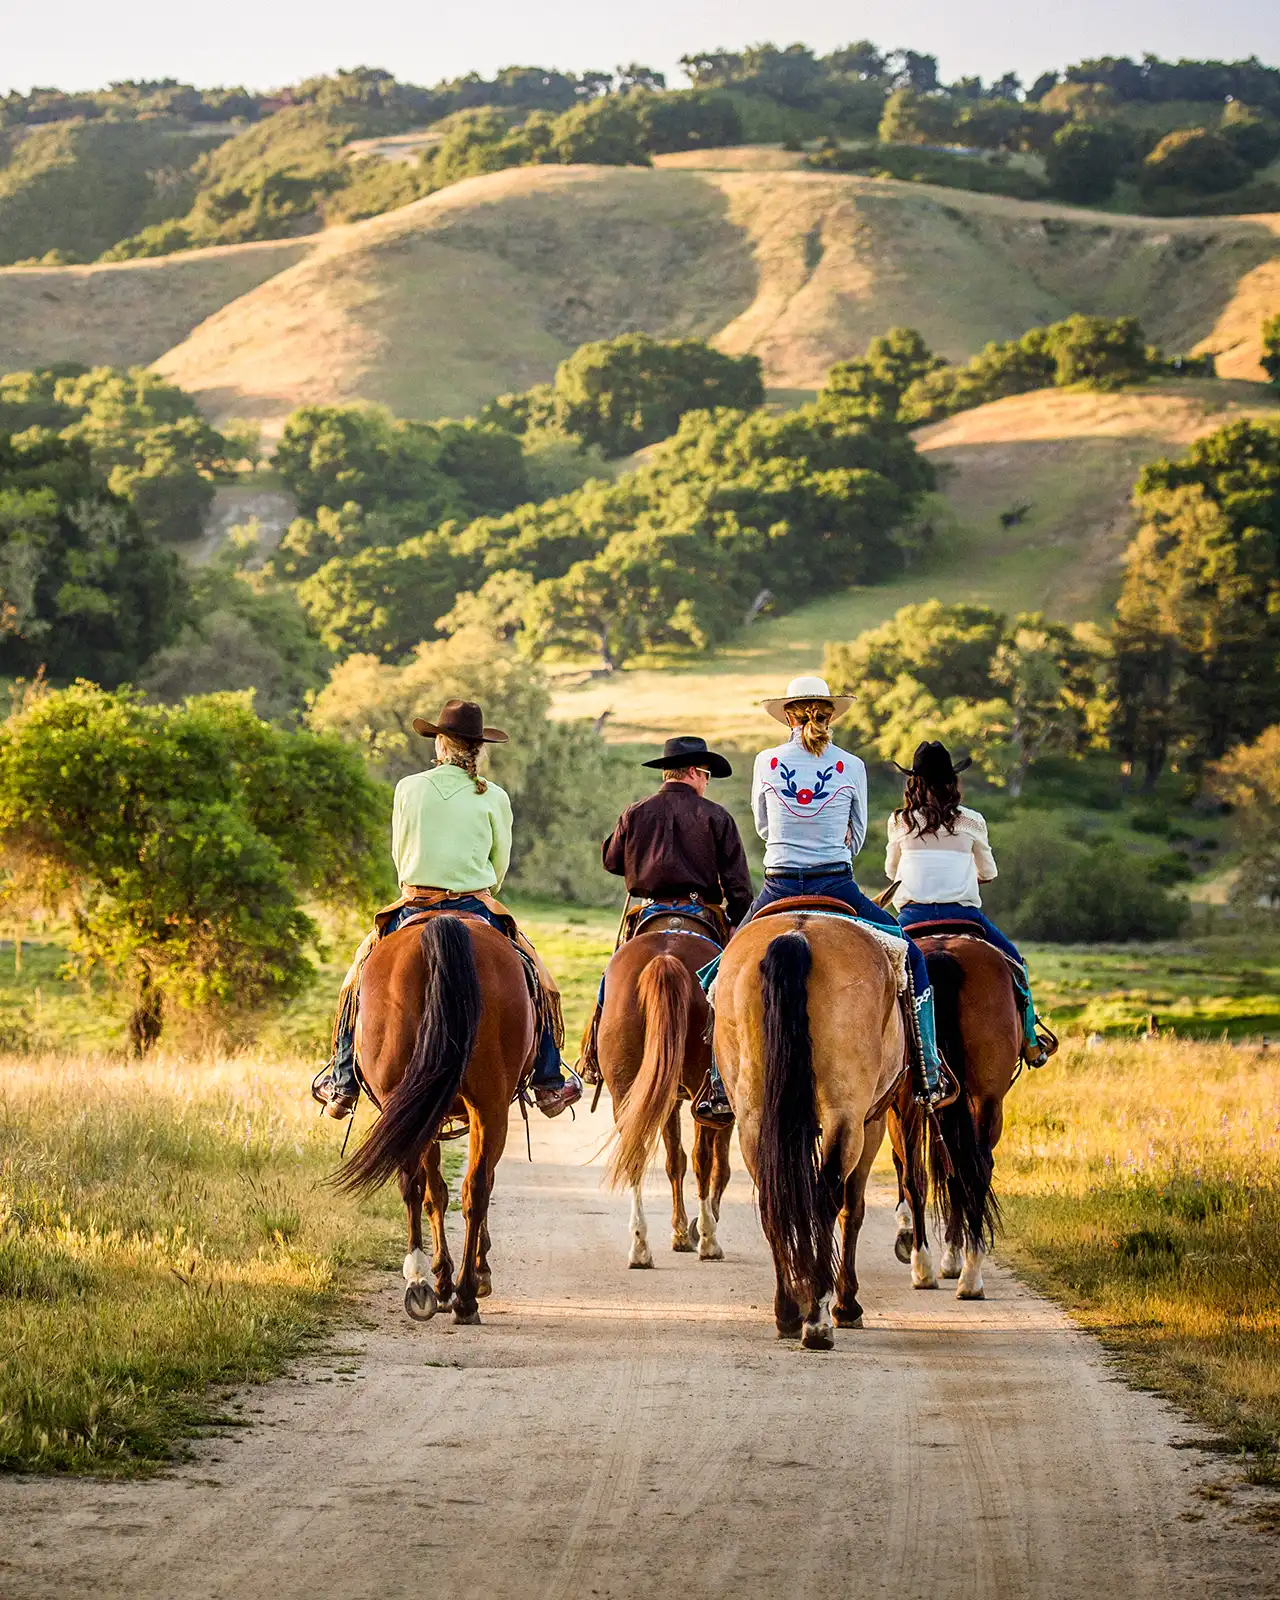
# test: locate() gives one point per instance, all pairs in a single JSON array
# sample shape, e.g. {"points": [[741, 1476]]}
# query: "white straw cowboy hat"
{"points": [[807, 689]]}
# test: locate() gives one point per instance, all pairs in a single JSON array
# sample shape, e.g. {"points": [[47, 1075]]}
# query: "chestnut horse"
{"points": [[980, 1034], [652, 1042], [810, 1040], [446, 1027]]}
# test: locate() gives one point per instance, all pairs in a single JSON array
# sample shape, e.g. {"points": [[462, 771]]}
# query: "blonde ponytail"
{"points": [[454, 752], [813, 718]]}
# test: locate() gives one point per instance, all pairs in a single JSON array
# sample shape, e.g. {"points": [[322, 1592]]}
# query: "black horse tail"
{"points": [[799, 1202], [967, 1187], [420, 1102]]}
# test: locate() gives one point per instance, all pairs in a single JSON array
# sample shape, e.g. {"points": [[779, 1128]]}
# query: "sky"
{"points": [[265, 43]]}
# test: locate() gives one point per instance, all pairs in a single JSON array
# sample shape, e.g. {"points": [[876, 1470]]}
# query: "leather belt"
{"points": [[831, 870]]}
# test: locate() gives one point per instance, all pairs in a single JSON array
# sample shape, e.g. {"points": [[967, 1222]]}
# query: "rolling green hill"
{"points": [[1072, 454], [484, 287]]}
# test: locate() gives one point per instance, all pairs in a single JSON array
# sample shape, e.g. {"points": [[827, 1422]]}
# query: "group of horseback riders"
{"points": [[679, 851]]}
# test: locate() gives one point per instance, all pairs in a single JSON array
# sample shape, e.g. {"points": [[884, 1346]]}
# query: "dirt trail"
{"points": [[623, 1434]]}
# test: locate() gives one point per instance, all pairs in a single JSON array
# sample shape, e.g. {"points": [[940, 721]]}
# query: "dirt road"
{"points": [[640, 1434]]}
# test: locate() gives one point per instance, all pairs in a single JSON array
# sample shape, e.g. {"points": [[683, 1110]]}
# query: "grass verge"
{"points": [[164, 1233], [1141, 1189]]}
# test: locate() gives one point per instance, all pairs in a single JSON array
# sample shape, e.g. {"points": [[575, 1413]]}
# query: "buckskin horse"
{"points": [[811, 1043], [979, 1033], [652, 1042], [446, 1029]]}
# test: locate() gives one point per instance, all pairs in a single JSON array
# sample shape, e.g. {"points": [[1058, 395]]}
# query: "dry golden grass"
{"points": [[1141, 1188], [484, 287], [164, 1231]]}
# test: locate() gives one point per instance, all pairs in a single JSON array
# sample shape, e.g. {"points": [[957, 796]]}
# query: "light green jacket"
{"points": [[446, 836]]}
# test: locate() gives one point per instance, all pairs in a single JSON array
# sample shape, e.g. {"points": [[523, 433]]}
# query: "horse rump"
{"points": [[415, 1109], [799, 1196], [665, 993], [967, 1185]]}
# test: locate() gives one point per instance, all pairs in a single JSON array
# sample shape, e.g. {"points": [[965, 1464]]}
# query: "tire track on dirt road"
{"points": [[616, 1435]]}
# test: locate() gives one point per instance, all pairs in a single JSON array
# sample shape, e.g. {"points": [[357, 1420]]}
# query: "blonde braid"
{"points": [[813, 718], [463, 753]]}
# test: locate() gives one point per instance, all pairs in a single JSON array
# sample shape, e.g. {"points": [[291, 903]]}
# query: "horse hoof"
{"points": [[444, 1300], [789, 1330], [818, 1336], [847, 1319], [640, 1260], [466, 1319], [709, 1250], [694, 1230], [420, 1301], [902, 1248], [682, 1244], [971, 1294], [484, 1286]]}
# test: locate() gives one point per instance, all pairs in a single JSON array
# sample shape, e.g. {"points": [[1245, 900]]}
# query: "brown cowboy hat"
{"points": [[460, 719]]}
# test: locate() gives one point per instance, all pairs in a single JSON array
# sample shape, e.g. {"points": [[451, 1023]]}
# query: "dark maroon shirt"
{"points": [[677, 842]]}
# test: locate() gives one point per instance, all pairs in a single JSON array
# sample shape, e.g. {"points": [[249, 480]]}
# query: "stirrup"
{"points": [[1048, 1042], [948, 1089]]}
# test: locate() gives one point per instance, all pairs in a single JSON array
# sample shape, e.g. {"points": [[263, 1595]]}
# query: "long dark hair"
{"points": [[930, 807]]}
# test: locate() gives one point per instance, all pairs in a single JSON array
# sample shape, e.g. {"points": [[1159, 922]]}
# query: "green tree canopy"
{"points": [[1195, 161], [84, 590], [181, 838], [1249, 778], [1083, 162]]}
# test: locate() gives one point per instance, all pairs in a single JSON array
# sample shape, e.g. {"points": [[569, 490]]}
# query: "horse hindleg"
{"points": [[676, 1168], [848, 1313], [641, 1255], [988, 1125], [419, 1296], [488, 1137], [705, 1145], [905, 1212], [437, 1199], [786, 1313]]}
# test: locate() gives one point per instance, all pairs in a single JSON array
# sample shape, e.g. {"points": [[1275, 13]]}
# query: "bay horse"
{"points": [[652, 1042], [811, 1043], [446, 1028], [980, 1034]]}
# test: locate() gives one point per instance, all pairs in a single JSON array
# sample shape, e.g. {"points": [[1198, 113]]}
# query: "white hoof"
{"points": [[708, 1245], [922, 1274], [417, 1266], [903, 1246], [641, 1255], [709, 1249], [952, 1262], [970, 1285]]}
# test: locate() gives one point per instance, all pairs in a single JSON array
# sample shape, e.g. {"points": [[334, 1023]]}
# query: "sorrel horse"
{"points": [[811, 1043], [979, 1033], [446, 1027], [652, 1042]]}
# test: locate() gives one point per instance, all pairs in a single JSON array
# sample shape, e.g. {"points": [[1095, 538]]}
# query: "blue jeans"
{"points": [[913, 913], [779, 885], [547, 1072]]}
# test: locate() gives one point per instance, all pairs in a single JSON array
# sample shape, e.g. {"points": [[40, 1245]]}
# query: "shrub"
{"points": [[1192, 161], [1083, 162]]}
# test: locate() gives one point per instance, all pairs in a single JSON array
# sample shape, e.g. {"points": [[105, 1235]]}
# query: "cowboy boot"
{"points": [[1038, 1044], [712, 1105], [335, 1086], [941, 1087]]}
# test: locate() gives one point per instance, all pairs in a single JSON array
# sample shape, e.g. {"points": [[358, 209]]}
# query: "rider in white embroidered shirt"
{"points": [[811, 810]]}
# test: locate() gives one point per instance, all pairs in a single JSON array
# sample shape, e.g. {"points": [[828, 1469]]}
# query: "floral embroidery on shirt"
{"points": [[804, 797]]}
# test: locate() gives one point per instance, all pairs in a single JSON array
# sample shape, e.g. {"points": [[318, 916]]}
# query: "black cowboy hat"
{"points": [[932, 761], [460, 719], [687, 750]]}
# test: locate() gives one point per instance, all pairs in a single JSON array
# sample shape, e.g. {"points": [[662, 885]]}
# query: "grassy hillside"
{"points": [[482, 288], [77, 187], [1072, 454]]}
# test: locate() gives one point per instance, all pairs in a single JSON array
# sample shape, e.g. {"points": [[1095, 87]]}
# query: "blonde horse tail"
{"points": [[665, 991], [799, 1201]]}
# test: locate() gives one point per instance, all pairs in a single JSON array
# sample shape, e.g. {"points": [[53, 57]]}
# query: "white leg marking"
{"points": [[922, 1274], [641, 1255], [952, 1261], [417, 1264], [906, 1222], [970, 1285], [708, 1245], [820, 1334]]}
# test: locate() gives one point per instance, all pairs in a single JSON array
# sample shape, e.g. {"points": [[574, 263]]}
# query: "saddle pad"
{"points": [[959, 929]]}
